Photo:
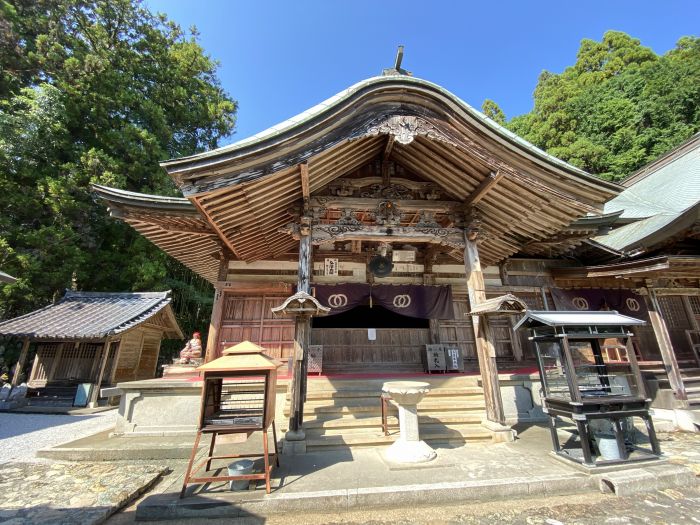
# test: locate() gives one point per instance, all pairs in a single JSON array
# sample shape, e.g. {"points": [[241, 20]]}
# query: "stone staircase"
{"points": [[691, 381], [341, 413], [690, 373], [52, 396]]}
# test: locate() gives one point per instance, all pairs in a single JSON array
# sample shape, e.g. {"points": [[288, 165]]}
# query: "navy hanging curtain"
{"points": [[412, 300], [342, 297], [623, 301]]}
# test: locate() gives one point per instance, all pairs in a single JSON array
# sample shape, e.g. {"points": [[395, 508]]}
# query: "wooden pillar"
{"points": [[302, 332], [21, 361], [483, 336], [429, 280], [115, 362], [212, 351], [54, 365], [515, 339], [103, 363], [665, 347]]}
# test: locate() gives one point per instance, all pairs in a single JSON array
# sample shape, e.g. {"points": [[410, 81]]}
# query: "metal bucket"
{"points": [[240, 468], [607, 446]]}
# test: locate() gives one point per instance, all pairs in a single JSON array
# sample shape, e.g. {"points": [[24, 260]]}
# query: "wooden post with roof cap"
{"points": [[302, 323], [483, 337]]}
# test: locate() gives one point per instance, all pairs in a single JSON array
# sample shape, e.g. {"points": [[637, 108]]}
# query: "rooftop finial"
{"points": [[396, 70]]}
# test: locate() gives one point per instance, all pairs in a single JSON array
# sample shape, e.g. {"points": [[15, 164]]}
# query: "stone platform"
{"points": [[158, 407], [85, 493], [352, 479]]}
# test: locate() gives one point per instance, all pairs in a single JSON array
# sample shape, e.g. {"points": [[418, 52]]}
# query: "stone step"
{"points": [[378, 439], [341, 394], [366, 411], [425, 429], [372, 421], [372, 404], [370, 383]]}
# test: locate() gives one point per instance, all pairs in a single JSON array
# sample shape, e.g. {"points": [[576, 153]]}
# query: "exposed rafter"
{"points": [[483, 188]]}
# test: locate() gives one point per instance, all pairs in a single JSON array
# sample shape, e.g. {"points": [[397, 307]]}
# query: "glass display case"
{"points": [[590, 377]]}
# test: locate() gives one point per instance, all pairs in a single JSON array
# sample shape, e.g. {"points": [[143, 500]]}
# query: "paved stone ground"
{"points": [[21, 435], [682, 448], [69, 493], [661, 507]]}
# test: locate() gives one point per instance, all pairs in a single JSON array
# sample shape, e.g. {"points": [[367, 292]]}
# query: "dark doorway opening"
{"points": [[369, 317]]}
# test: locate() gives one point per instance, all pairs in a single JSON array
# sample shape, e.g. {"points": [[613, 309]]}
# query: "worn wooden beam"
{"points": [[191, 231], [103, 364], [214, 225], [328, 233], [366, 204], [483, 336], [390, 140], [663, 339], [304, 175], [212, 349], [117, 355], [57, 359], [20, 362], [429, 258], [483, 188]]}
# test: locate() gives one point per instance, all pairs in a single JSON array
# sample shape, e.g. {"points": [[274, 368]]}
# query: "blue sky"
{"points": [[278, 58]]}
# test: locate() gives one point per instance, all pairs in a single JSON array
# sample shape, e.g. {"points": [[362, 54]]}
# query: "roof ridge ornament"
{"points": [[407, 127], [396, 70]]}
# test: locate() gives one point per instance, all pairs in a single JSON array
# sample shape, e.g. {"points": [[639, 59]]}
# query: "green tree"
{"points": [[96, 91], [618, 107], [493, 111]]}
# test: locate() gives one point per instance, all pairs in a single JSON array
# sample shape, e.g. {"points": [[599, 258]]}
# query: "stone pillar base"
{"points": [[293, 448], [409, 452], [501, 433]]}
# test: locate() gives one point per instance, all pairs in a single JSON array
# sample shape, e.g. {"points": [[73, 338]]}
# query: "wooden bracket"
{"points": [[483, 188]]}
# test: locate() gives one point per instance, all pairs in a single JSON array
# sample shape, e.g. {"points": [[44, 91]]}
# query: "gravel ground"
{"points": [[21, 435]]}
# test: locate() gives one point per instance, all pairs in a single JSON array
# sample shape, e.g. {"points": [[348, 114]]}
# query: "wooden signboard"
{"points": [[454, 361], [434, 358]]}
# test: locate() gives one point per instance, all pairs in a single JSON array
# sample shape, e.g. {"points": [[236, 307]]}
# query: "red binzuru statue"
{"points": [[192, 350]]}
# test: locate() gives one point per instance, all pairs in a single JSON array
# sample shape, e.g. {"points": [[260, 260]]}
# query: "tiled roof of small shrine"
{"points": [[93, 315]]}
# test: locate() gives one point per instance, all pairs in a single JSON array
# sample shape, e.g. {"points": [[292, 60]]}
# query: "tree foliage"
{"points": [[96, 91], [618, 107]]}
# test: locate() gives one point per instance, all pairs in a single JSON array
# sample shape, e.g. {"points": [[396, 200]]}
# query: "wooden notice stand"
{"points": [[238, 396]]}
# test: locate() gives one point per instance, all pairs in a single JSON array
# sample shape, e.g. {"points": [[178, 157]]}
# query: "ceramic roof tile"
{"points": [[87, 315], [656, 200]]}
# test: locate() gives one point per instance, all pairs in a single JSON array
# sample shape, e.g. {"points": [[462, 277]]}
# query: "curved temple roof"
{"points": [[245, 192]]}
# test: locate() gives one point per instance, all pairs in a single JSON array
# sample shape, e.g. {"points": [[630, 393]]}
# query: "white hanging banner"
{"points": [[371, 334], [331, 267]]}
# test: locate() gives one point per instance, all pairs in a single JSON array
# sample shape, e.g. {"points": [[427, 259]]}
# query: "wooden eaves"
{"points": [[242, 196]]}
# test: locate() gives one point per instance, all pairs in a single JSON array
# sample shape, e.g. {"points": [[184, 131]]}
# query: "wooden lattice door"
{"points": [[249, 318]]}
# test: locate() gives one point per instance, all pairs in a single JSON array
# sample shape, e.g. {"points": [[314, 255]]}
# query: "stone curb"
{"points": [[113, 454], [233, 505], [640, 480]]}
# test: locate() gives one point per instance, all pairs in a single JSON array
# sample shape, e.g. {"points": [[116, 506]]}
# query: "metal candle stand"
{"points": [[582, 383], [238, 397]]}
